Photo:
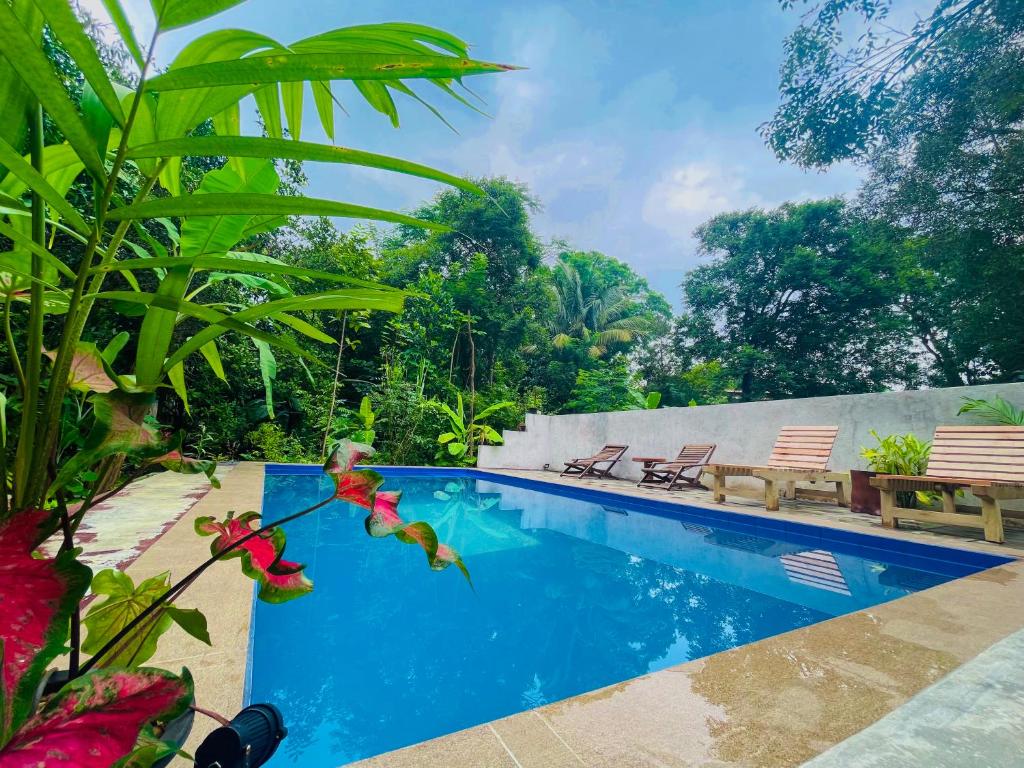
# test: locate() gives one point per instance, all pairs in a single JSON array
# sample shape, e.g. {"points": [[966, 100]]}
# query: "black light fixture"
{"points": [[248, 741]]}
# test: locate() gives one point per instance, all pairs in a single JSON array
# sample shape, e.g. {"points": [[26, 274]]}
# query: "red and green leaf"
{"points": [[279, 579], [360, 487], [89, 371], [119, 427], [346, 456], [96, 720], [37, 598], [176, 461]]}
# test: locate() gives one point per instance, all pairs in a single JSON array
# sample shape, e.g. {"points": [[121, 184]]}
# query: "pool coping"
{"points": [[730, 709]]}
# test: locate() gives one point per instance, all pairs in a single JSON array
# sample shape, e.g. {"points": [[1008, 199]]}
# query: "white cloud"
{"points": [[689, 194]]}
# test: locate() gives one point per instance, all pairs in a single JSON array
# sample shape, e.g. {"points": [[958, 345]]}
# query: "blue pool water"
{"points": [[571, 594]]}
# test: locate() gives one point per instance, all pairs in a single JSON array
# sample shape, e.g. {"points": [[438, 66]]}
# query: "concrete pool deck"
{"points": [[778, 702]]}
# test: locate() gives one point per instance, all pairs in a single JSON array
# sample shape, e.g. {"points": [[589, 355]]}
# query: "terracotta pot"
{"points": [[864, 499]]}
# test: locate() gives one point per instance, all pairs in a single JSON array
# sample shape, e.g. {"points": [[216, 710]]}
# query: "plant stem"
{"points": [[334, 390], [34, 345], [82, 302], [211, 714], [472, 387], [76, 617], [176, 589], [9, 336], [35, 456]]}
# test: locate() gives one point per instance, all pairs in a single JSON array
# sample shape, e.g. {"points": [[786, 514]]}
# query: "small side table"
{"points": [[649, 461]]}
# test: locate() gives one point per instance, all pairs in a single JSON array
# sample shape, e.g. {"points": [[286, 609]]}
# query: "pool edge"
{"points": [[763, 523]]}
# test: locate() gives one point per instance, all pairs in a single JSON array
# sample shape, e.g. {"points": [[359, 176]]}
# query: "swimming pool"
{"points": [[575, 589]]}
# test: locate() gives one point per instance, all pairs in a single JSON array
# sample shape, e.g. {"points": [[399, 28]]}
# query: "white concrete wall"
{"points": [[744, 432]]}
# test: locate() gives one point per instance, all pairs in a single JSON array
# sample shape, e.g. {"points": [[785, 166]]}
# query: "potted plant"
{"points": [[105, 200], [893, 455]]}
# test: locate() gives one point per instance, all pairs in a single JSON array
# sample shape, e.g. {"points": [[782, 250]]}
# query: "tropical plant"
{"points": [[143, 222], [900, 455], [460, 443], [594, 317], [648, 402], [356, 425], [366, 416], [995, 411]]}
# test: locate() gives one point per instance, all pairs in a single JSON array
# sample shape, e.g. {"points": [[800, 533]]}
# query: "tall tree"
{"points": [[950, 168], [796, 302], [935, 114], [602, 306], [488, 259], [838, 89]]}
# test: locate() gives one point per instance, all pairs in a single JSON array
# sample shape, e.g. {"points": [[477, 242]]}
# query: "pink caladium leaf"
{"points": [[119, 426], [279, 579], [37, 598], [97, 720], [175, 460], [89, 371], [346, 455], [360, 487], [447, 556]]}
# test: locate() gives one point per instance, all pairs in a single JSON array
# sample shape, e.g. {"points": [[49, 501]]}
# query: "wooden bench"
{"points": [[659, 472], [800, 454], [988, 461], [590, 466]]}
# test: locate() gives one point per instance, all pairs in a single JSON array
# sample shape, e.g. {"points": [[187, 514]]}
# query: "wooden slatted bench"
{"points": [[800, 454], [987, 460]]}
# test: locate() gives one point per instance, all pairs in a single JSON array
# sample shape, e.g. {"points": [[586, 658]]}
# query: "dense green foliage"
{"points": [[123, 260], [910, 284], [795, 302], [935, 115]]}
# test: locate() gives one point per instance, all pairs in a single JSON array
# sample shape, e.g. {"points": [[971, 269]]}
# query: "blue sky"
{"points": [[635, 121]]}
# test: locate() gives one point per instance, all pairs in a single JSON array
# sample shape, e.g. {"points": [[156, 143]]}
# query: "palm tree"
{"points": [[595, 318]]}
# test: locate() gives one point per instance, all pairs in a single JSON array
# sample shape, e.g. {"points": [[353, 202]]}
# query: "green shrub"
{"points": [[269, 442], [605, 387]]}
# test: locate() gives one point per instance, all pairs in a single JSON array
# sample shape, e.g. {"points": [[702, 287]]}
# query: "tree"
{"points": [[796, 302], [837, 97], [487, 259], [950, 169], [935, 114], [602, 305], [608, 386]]}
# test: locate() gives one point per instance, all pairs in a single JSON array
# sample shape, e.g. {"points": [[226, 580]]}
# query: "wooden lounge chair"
{"points": [[988, 461], [591, 466], [671, 474], [800, 455]]}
